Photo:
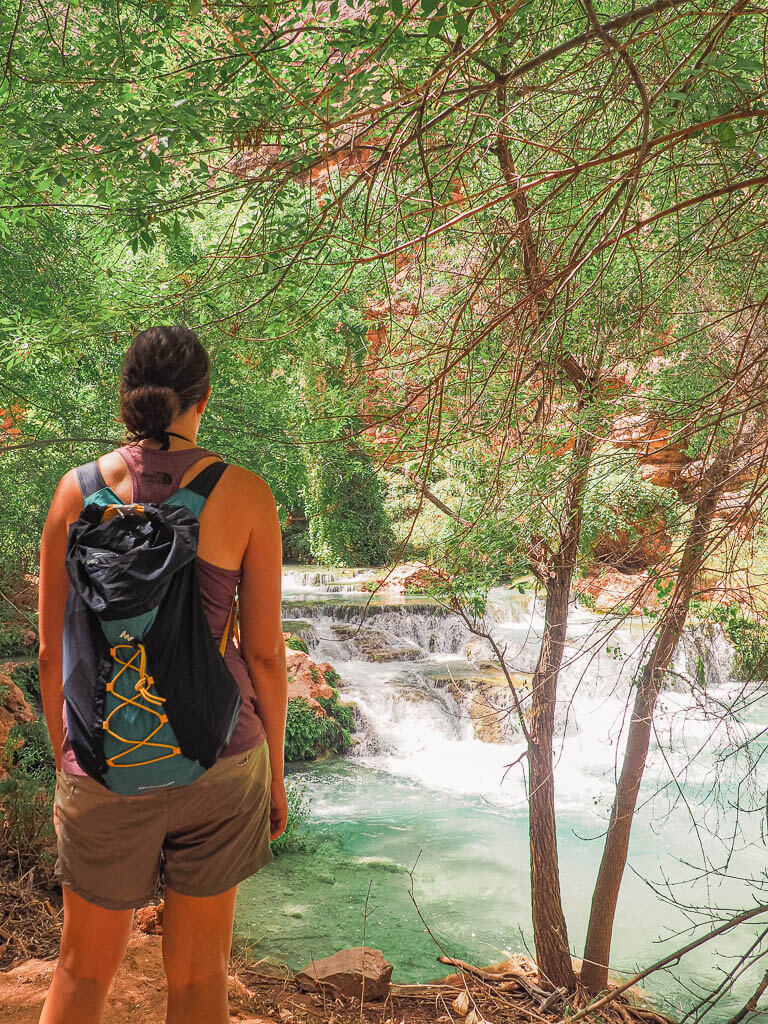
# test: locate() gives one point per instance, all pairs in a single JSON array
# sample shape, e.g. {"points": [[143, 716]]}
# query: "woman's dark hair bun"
{"points": [[164, 372], [149, 410]]}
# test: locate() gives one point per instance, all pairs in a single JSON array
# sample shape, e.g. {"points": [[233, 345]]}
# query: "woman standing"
{"points": [[206, 837]]}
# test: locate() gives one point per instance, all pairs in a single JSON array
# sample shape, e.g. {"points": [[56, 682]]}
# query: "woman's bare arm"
{"points": [[261, 630], [54, 586]]}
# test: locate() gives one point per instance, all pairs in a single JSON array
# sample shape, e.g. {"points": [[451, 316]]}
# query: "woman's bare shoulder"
{"points": [[244, 482]]}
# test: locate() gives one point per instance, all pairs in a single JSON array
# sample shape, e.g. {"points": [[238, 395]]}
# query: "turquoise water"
{"points": [[469, 861], [420, 792]]}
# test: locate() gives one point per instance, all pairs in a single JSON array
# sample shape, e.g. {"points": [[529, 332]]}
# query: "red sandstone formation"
{"points": [[407, 577], [306, 679], [615, 591], [14, 708]]}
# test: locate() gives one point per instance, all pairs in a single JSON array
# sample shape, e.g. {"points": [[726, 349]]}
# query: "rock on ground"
{"points": [[149, 920], [361, 972]]}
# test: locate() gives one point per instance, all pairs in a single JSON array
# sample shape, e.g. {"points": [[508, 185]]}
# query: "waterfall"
{"points": [[431, 701]]}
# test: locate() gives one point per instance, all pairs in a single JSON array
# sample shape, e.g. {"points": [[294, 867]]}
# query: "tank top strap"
{"points": [[156, 474]]}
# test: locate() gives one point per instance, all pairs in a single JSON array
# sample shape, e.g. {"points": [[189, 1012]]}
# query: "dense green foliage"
{"points": [[26, 796], [308, 734], [749, 637], [344, 505], [295, 643], [177, 172], [27, 678]]}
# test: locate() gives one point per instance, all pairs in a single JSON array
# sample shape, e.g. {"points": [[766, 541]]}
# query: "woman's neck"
{"points": [[175, 443]]}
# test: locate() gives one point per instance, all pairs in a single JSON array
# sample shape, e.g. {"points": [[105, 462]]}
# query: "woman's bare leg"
{"points": [[197, 939], [93, 943]]}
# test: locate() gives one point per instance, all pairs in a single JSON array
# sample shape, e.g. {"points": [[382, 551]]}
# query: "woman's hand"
{"points": [[278, 815], [55, 819]]}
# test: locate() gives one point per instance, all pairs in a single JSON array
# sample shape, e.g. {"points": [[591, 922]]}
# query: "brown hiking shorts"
{"points": [[203, 838]]}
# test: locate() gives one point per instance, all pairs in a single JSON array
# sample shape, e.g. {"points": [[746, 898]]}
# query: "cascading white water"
{"points": [[405, 668]]}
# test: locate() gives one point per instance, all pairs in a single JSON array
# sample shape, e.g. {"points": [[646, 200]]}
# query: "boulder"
{"points": [[360, 972], [375, 644], [664, 474], [614, 590], [662, 461], [306, 679]]}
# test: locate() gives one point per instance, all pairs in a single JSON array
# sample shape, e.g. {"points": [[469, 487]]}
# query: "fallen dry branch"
{"points": [[30, 919], [509, 974]]}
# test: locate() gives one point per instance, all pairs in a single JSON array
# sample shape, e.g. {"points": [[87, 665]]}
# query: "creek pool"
{"points": [[423, 806]]}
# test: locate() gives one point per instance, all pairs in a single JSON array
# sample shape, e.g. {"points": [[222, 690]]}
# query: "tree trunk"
{"points": [[594, 971], [550, 933]]}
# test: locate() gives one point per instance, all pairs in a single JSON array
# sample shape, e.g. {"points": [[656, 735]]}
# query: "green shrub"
{"points": [[618, 502], [332, 677], [297, 644], [296, 835], [14, 640], [344, 502], [28, 751], [343, 714], [26, 796], [308, 734], [750, 640], [27, 678]]}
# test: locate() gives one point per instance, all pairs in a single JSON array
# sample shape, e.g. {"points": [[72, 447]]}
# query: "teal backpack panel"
{"points": [[140, 745]]}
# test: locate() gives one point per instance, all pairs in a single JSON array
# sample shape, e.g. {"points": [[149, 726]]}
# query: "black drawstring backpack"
{"points": [[150, 701]]}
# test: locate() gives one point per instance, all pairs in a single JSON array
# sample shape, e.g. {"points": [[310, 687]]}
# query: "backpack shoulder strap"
{"points": [[206, 479], [90, 479]]}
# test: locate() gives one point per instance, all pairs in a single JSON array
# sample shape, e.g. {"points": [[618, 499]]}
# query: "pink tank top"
{"points": [[155, 475]]}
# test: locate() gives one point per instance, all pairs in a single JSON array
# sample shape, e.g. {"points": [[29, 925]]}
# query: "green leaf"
{"points": [[726, 134], [396, 6], [154, 161], [460, 24], [748, 64], [195, 6]]}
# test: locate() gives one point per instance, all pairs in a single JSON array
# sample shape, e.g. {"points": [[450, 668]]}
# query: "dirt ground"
{"points": [[138, 996]]}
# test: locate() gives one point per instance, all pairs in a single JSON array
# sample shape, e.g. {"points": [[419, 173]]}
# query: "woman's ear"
{"points": [[204, 402]]}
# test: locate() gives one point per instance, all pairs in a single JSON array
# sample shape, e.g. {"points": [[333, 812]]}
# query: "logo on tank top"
{"points": [[157, 476]]}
